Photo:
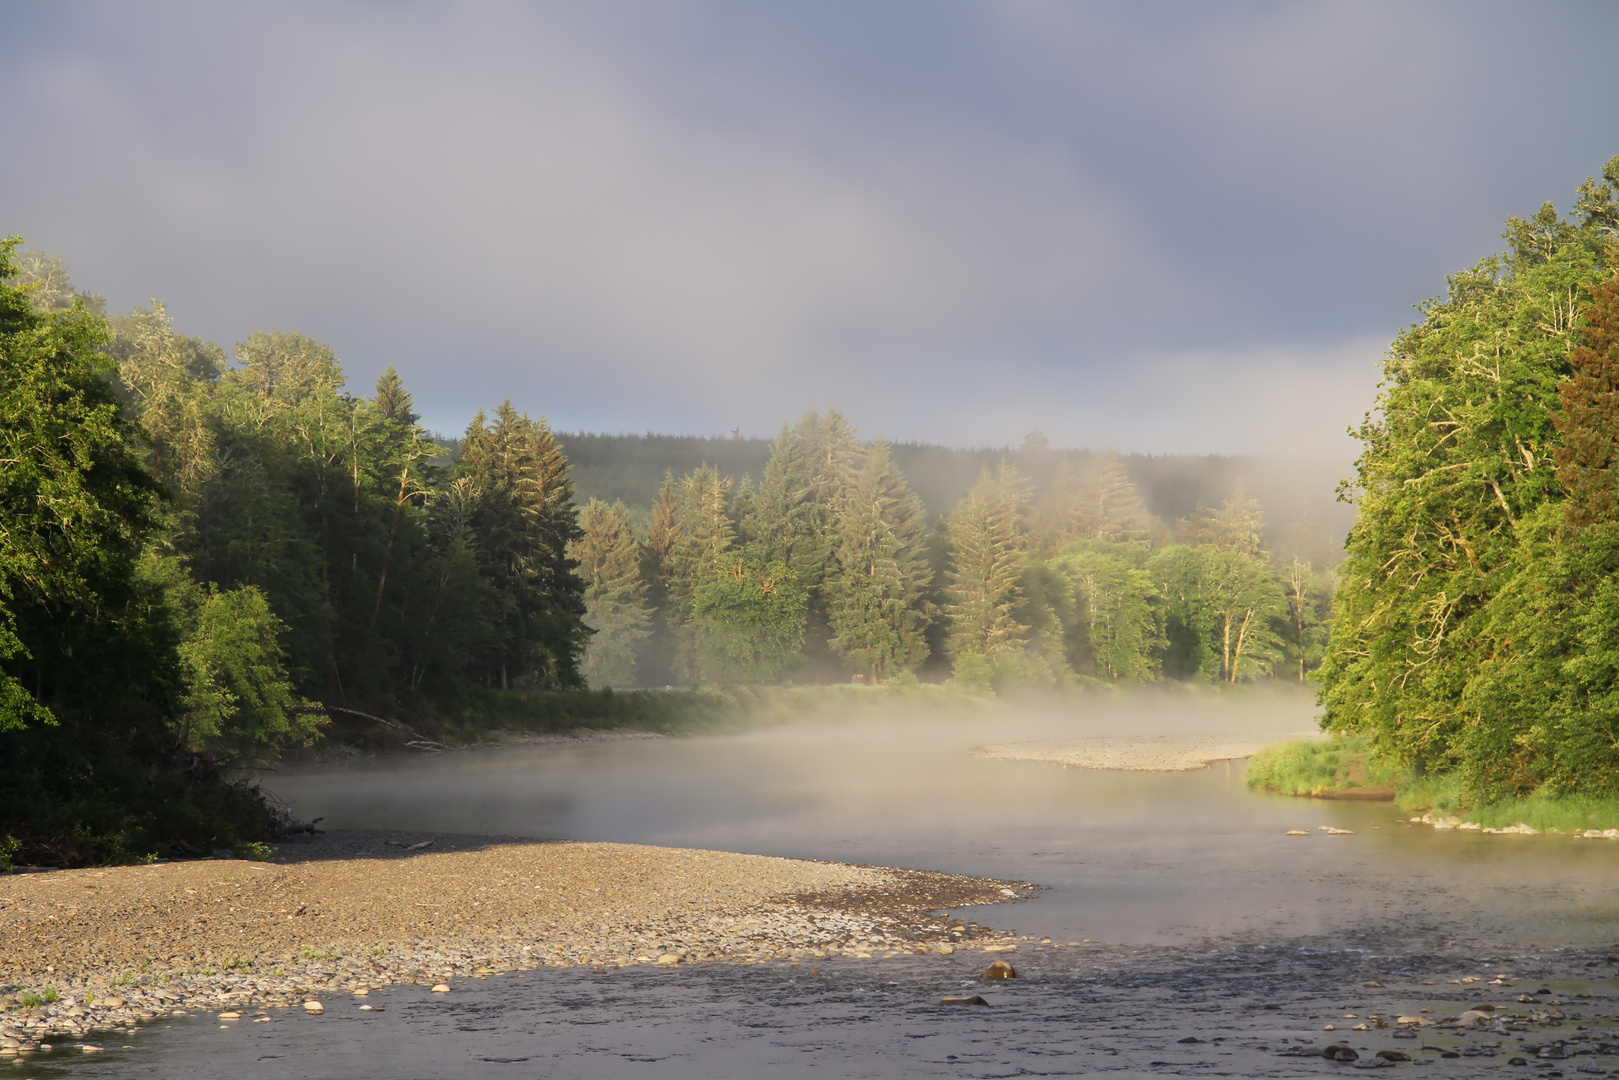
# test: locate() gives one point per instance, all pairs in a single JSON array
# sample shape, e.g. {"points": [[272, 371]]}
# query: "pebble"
{"points": [[441, 988], [1000, 969], [314, 1007]]}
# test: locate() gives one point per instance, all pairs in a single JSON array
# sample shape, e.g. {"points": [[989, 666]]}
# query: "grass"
{"points": [[1321, 768], [46, 997], [1342, 765]]}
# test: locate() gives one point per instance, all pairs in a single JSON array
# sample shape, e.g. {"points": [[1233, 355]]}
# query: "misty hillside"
{"points": [[630, 467]]}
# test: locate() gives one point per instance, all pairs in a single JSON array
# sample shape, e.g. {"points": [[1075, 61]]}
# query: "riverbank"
{"points": [[97, 949], [1344, 767]]}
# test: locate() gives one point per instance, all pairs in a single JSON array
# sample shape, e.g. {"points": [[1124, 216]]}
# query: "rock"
{"points": [[1518, 1061], [314, 1007], [1331, 831], [1591, 1067], [1298, 832], [1300, 1051], [1373, 985], [946, 950], [113, 1002], [230, 1016], [1527, 1000], [974, 999], [441, 988], [1413, 1021], [1393, 1055], [1340, 1052], [1000, 969], [1000, 948], [1403, 1034], [1374, 1063], [1189, 1039], [669, 958]]}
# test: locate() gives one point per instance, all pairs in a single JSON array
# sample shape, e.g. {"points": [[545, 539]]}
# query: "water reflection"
{"points": [[1127, 857]]}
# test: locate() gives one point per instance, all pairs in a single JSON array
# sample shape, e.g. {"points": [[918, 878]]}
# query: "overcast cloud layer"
{"points": [[1149, 226]]}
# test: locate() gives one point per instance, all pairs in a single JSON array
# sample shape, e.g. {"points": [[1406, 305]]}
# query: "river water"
{"points": [[1208, 922]]}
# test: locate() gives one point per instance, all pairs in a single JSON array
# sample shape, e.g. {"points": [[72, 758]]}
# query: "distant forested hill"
{"points": [[630, 467]]}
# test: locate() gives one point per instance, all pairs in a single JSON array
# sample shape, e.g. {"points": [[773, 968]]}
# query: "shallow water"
{"points": [[1208, 921]]}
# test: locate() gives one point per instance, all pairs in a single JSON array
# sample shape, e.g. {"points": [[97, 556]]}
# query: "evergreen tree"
{"points": [[699, 546], [795, 512], [986, 532], [1107, 505], [876, 597], [393, 401], [615, 596], [523, 520], [1588, 459]]}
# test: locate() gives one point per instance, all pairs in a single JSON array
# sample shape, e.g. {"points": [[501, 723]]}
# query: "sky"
{"points": [[1148, 226]]}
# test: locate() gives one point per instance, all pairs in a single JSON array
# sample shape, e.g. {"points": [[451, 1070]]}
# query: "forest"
{"points": [[1476, 625], [209, 555]]}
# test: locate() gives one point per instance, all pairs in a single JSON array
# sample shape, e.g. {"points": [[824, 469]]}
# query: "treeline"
{"points": [[630, 468], [827, 567], [205, 556], [1477, 627]]}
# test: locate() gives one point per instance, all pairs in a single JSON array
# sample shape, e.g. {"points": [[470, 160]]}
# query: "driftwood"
{"points": [[417, 740]]}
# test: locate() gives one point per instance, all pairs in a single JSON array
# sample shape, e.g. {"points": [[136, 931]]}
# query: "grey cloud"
{"points": [[694, 217]]}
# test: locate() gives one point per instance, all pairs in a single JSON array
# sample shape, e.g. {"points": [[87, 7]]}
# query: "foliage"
{"points": [[1319, 767], [1119, 610], [238, 703], [877, 596], [615, 596], [1472, 618], [748, 622], [1221, 608], [986, 534]]}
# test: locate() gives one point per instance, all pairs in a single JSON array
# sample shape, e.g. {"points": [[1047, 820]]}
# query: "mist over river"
{"points": [[1205, 919]]}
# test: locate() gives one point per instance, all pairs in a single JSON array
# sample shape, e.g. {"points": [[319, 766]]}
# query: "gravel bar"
{"points": [[98, 950], [1162, 753]]}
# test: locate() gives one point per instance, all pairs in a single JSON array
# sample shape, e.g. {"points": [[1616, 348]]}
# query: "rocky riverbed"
{"points": [[85, 954]]}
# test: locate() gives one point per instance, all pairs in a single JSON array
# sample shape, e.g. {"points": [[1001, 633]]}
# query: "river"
{"points": [[1205, 920]]}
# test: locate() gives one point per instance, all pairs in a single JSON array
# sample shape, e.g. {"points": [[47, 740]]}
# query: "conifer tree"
{"points": [[876, 597], [795, 509], [698, 545], [393, 401], [1107, 505], [523, 519], [986, 532], [615, 595]]}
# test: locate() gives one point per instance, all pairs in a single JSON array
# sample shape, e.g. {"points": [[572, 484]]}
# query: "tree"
{"points": [[877, 595], [1588, 459], [76, 503], [394, 401], [1221, 606], [238, 702], [1108, 506], [171, 382], [615, 596], [699, 546], [523, 520], [986, 533], [1118, 610], [748, 622], [1456, 462]]}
